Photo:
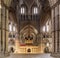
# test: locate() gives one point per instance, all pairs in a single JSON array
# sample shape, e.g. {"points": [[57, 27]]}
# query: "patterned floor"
{"points": [[30, 56]]}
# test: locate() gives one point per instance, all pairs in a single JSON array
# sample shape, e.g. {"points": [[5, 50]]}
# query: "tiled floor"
{"points": [[31, 56]]}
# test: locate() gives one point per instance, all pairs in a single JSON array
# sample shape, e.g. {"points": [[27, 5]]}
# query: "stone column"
{"points": [[3, 30], [0, 28], [59, 27], [6, 32], [2, 15], [55, 32]]}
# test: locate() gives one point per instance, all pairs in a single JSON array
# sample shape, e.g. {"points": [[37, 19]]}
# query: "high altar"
{"points": [[27, 49]]}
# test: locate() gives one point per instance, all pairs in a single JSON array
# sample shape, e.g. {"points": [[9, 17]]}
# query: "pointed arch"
{"points": [[31, 28]]}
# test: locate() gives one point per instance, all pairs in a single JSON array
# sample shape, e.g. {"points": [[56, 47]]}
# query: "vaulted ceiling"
{"points": [[45, 3], [8, 2], [42, 4], [45, 6]]}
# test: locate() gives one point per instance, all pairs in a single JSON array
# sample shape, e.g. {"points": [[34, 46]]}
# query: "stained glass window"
{"points": [[22, 10], [35, 10]]}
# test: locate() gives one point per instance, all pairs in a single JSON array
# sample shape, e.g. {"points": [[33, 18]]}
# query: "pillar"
{"points": [[3, 30], [0, 27], [6, 31], [56, 31]]}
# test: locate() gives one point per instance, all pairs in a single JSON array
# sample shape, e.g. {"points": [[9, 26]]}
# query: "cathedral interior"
{"points": [[29, 28]]}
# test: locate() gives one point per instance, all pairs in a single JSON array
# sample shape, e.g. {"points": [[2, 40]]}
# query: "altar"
{"points": [[26, 49]]}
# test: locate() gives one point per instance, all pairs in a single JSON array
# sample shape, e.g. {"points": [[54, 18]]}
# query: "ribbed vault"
{"points": [[8, 2]]}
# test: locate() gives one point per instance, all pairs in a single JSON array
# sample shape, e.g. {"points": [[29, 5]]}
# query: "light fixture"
{"points": [[14, 29], [10, 27], [35, 31], [47, 44], [47, 28], [0, 6], [44, 29]]}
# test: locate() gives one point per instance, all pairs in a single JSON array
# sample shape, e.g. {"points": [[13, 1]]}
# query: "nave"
{"points": [[31, 56], [29, 28]]}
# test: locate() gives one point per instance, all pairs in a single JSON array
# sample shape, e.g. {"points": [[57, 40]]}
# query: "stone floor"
{"points": [[30, 56]]}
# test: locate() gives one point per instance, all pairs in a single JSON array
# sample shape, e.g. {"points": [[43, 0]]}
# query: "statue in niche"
{"points": [[12, 49], [46, 50]]}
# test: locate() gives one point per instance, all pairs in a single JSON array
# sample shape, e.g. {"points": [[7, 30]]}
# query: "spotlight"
{"points": [[47, 44], [0, 6], [44, 29]]}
